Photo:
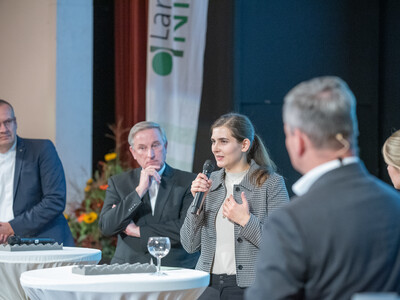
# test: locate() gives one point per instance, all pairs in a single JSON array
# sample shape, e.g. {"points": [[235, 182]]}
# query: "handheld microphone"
{"points": [[208, 167], [16, 240]]}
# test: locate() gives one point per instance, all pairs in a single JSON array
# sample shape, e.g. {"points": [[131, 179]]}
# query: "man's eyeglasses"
{"points": [[7, 123], [143, 149]]}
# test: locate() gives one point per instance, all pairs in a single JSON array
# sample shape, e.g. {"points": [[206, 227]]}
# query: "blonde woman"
{"points": [[391, 155]]}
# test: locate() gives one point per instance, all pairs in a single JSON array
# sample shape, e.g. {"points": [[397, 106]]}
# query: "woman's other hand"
{"points": [[238, 213]]}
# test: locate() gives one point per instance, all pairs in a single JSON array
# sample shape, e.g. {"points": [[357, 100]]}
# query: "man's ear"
{"points": [[300, 142], [132, 152]]}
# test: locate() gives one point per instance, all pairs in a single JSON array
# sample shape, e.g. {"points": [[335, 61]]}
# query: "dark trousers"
{"points": [[223, 287]]}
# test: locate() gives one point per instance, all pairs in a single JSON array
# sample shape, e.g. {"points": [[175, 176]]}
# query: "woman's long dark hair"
{"points": [[241, 128]]}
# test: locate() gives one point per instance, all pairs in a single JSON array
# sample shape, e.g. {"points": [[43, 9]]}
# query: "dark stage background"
{"points": [[257, 50]]}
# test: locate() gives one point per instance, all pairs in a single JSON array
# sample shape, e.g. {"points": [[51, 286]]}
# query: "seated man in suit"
{"points": [[32, 185], [341, 234], [148, 201]]}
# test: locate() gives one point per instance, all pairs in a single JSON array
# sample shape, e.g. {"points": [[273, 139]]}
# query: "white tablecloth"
{"points": [[61, 283], [13, 264]]}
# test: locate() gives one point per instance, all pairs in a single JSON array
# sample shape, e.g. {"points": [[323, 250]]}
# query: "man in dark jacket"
{"points": [[32, 185], [148, 201], [340, 235]]}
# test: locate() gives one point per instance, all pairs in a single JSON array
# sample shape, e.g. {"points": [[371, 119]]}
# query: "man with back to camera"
{"points": [[341, 234], [32, 185], [148, 201]]}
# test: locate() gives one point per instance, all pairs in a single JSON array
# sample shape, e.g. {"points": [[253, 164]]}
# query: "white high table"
{"points": [[13, 264], [61, 283]]}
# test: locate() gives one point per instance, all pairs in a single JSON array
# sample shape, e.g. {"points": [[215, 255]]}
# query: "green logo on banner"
{"points": [[163, 19], [162, 60], [162, 63]]}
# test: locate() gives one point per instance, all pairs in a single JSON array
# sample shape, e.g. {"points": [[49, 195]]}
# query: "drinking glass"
{"points": [[159, 247]]}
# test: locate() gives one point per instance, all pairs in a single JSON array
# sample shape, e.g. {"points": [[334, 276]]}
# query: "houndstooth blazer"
{"points": [[198, 231]]}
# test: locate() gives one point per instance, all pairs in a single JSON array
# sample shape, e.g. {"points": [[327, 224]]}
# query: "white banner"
{"points": [[176, 43]]}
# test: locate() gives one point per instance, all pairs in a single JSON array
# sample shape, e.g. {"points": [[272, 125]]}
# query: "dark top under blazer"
{"points": [[341, 237], [39, 192], [173, 199], [199, 233]]}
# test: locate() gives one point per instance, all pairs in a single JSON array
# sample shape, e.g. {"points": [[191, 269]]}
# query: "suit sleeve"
{"points": [[114, 220], [52, 202], [281, 265], [169, 228], [276, 197], [191, 231]]}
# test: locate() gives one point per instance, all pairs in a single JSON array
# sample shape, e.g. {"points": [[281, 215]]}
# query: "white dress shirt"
{"points": [[7, 168], [307, 180], [153, 190]]}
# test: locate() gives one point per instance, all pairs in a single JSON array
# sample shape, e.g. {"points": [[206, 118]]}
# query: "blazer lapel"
{"points": [[167, 181], [20, 152]]}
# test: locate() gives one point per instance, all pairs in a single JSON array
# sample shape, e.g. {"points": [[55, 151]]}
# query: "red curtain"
{"points": [[130, 67]]}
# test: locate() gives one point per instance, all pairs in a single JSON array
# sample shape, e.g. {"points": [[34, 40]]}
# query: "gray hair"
{"points": [[143, 126], [324, 108]]}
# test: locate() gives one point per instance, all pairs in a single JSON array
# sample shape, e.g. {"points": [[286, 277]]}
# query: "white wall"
{"points": [[46, 74], [74, 92], [28, 64]]}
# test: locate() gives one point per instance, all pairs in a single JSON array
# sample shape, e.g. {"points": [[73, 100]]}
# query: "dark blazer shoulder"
{"points": [[34, 145], [36, 142]]}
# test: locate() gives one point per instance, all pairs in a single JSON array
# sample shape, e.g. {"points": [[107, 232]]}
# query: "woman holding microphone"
{"points": [[238, 199]]}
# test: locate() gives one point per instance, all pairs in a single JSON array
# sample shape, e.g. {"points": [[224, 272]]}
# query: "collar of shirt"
{"points": [[161, 170], [153, 190], [302, 185]]}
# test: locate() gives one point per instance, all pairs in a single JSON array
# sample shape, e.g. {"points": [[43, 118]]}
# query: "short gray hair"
{"points": [[143, 126], [322, 108]]}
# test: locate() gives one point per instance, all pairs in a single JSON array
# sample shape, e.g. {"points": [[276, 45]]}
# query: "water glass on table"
{"points": [[159, 247]]}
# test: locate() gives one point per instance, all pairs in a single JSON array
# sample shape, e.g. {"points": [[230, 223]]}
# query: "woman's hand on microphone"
{"points": [[201, 184]]}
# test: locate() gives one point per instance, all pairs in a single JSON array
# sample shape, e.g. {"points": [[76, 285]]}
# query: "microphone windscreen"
{"points": [[208, 166], [13, 240]]}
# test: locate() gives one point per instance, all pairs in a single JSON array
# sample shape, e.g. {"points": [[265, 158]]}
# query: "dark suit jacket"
{"points": [[39, 192], [173, 200], [341, 237]]}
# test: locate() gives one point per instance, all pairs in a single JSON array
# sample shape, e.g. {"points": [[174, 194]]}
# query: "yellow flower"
{"points": [[90, 217], [87, 188], [66, 216], [90, 181], [110, 156]]}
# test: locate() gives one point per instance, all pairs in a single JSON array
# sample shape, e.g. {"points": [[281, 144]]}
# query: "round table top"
{"points": [[62, 279], [67, 254]]}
